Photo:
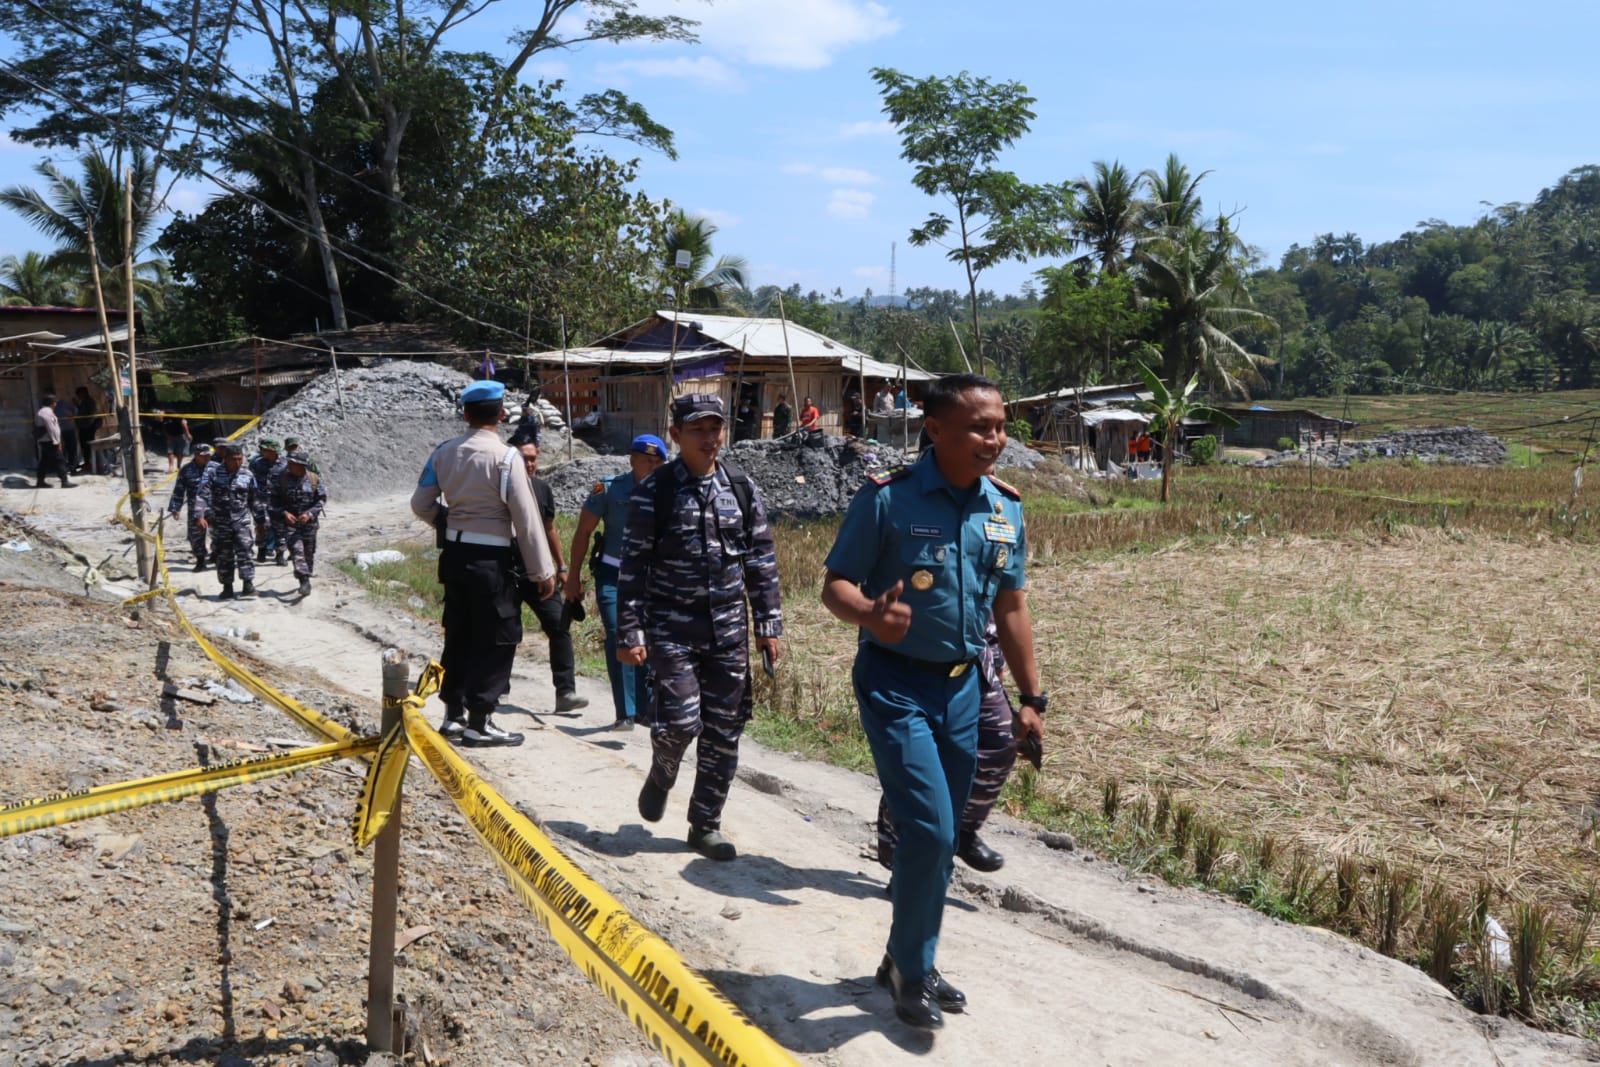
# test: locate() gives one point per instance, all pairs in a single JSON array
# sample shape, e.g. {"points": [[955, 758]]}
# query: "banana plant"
{"points": [[1168, 409]]}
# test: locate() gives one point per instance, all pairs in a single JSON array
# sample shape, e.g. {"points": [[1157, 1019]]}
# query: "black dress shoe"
{"points": [[915, 1005], [948, 997], [979, 856]]}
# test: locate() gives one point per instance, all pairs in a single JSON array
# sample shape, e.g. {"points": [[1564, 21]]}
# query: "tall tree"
{"points": [[1108, 216], [1174, 202], [702, 283], [33, 281], [953, 130], [69, 209], [1195, 273]]}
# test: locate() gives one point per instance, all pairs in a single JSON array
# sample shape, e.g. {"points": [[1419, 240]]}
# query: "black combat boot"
{"points": [[249, 592], [261, 554], [278, 557], [227, 591]]}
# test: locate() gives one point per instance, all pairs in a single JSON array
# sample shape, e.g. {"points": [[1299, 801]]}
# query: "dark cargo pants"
{"points": [[704, 694], [482, 626], [233, 543]]}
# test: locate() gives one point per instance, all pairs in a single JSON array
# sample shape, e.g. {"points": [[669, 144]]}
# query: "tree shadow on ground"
{"points": [[784, 1004]]}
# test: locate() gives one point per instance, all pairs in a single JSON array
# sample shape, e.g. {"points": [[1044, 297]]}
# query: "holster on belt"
{"points": [[441, 523]]}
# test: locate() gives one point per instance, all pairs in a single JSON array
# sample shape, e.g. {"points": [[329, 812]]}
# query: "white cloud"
{"points": [[850, 203], [869, 128], [706, 70], [871, 274], [833, 175], [720, 219], [189, 198], [794, 35]]}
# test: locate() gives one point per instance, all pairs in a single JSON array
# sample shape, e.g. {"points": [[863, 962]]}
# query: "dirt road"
{"points": [[1063, 959]]}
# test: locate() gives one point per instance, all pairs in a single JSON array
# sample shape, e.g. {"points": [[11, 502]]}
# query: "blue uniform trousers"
{"points": [[630, 685], [922, 727]]}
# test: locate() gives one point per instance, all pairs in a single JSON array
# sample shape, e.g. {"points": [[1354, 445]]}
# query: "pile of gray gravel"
{"points": [[370, 429], [1435, 444]]}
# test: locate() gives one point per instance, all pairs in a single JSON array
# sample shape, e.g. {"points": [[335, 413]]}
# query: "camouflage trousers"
{"points": [[701, 694], [197, 538], [301, 539], [234, 544], [997, 754]]}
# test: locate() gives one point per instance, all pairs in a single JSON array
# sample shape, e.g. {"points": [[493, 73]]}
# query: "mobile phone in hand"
{"points": [[766, 663]]}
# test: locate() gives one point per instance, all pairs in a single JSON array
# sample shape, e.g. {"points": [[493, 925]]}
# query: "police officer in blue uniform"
{"points": [[923, 556], [697, 548], [608, 504]]}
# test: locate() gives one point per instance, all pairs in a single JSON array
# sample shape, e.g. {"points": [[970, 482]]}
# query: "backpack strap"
{"points": [[739, 484], [743, 491]]}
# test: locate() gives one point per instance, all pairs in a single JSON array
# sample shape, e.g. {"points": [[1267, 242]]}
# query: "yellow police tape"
{"points": [[164, 788], [686, 1018], [381, 791], [314, 721]]}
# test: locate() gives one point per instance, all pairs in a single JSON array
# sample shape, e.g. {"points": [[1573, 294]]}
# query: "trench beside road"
{"points": [[1055, 951]]}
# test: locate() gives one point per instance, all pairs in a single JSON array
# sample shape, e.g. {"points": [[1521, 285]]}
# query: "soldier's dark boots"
{"points": [[249, 592], [948, 996], [712, 844], [489, 735], [278, 557], [69, 485], [199, 563], [305, 586], [915, 1004], [652, 802], [977, 855], [261, 554], [227, 591]]}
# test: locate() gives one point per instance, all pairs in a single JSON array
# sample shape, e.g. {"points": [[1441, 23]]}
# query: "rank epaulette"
{"points": [[1008, 490], [893, 474]]}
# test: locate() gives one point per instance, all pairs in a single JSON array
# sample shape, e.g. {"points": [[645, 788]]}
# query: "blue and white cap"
{"points": [[483, 390]]}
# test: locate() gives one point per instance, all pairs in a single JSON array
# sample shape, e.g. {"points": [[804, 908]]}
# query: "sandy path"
{"points": [[1063, 959]]}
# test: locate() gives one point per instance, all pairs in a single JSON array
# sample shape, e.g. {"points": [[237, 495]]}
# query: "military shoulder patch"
{"points": [[1009, 491], [893, 474]]}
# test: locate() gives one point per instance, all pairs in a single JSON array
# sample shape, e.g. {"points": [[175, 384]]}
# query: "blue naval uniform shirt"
{"points": [[970, 542], [609, 503]]}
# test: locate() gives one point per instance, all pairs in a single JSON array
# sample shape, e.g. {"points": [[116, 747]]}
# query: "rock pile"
{"points": [[795, 479], [370, 429], [1435, 444]]}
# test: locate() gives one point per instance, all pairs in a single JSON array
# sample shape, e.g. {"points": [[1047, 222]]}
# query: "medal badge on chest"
{"points": [[922, 581]]}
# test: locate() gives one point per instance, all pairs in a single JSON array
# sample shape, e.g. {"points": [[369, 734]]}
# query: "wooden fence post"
{"points": [[384, 1019]]}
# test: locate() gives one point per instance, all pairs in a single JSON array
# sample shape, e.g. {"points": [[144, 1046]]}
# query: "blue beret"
{"points": [[484, 390], [650, 445]]}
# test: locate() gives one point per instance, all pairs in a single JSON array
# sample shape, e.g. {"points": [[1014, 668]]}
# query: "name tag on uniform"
{"points": [[1002, 532], [726, 502], [927, 531]]}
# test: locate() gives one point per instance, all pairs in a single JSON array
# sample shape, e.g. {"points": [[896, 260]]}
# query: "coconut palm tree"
{"points": [[32, 281], [1174, 202], [71, 210], [1108, 217], [701, 284], [1195, 274]]}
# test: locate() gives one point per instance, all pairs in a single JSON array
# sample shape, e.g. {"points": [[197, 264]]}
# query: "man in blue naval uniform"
{"points": [[922, 557], [608, 504], [687, 571]]}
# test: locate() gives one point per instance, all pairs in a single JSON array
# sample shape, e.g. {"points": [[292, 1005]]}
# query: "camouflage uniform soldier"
{"points": [[297, 502], [186, 490], [997, 754], [265, 467], [697, 545], [226, 505]]}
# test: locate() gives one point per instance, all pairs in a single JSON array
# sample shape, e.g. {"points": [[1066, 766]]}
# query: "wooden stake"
{"points": [[382, 1013]]}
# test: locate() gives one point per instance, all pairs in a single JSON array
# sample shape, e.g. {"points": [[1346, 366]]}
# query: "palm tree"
{"points": [[73, 211], [32, 281], [695, 286], [1168, 409], [1107, 217], [1194, 272], [1174, 203]]}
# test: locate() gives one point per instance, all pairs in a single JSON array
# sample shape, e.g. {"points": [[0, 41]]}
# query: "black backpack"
{"points": [[738, 482]]}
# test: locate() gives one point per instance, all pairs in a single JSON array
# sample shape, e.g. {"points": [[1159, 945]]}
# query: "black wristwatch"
{"points": [[1038, 702]]}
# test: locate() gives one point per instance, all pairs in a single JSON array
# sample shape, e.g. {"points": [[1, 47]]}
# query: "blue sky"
{"points": [[1363, 117]]}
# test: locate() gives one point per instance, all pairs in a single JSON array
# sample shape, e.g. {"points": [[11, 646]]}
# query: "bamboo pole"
{"points": [[566, 384], [144, 557], [783, 323]]}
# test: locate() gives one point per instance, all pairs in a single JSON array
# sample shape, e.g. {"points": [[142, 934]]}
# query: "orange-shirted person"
{"points": [[1143, 441]]}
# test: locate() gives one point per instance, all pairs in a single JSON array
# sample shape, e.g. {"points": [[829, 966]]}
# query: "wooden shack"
{"points": [[50, 350], [625, 377]]}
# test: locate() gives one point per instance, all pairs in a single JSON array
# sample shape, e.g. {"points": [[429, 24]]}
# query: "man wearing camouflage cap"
{"points": [[697, 548], [186, 489], [265, 467], [297, 502]]}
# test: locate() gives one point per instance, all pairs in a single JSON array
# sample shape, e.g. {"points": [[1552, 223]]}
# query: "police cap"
{"points": [[478, 392]]}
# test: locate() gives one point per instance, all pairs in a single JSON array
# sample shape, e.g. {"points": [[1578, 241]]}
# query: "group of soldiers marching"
{"points": [[238, 512]]}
